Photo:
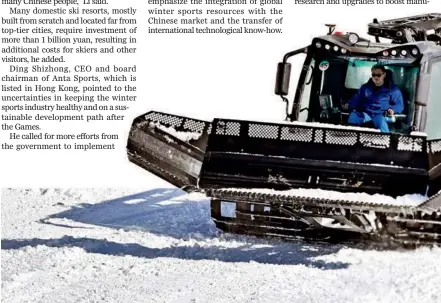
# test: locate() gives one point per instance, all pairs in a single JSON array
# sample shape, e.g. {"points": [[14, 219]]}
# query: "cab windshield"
{"points": [[332, 82]]}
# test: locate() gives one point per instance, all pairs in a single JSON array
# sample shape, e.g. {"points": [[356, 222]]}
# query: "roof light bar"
{"points": [[405, 51]]}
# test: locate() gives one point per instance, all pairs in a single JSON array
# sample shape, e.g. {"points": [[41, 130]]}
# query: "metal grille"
{"points": [[195, 126], [164, 119], [341, 138], [263, 131], [435, 146], [228, 128], [318, 136], [296, 134], [410, 144], [209, 128], [375, 140]]}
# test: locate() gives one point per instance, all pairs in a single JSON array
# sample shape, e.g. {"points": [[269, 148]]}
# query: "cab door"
{"points": [[433, 124]]}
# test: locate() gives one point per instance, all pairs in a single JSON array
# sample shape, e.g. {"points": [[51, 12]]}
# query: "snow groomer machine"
{"points": [[314, 176]]}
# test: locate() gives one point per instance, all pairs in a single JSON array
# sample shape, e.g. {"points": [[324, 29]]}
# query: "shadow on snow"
{"points": [[163, 211], [287, 254], [171, 212]]}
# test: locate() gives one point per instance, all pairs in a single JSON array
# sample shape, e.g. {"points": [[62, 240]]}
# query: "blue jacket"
{"points": [[375, 101]]}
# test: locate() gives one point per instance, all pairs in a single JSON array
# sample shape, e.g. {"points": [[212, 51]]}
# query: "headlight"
{"points": [[415, 51], [353, 38], [327, 46], [404, 52], [393, 52], [385, 53], [336, 48], [318, 45], [343, 51]]}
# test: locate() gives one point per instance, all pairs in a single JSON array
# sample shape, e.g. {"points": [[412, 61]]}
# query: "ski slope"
{"points": [[158, 244]]}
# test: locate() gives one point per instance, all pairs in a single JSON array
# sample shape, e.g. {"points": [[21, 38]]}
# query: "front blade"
{"points": [[171, 147], [244, 154]]}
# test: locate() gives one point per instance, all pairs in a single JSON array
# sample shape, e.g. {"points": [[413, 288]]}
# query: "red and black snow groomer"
{"points": [[314, 176]]}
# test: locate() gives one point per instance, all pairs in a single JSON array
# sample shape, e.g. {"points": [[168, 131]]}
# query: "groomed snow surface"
{"points": [[158, 244]]}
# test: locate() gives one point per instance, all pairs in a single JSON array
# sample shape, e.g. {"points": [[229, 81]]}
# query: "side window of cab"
{"points": [[433, 126]]}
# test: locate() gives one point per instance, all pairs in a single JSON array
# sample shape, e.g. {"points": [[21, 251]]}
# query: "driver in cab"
{"points": [[375, 99]]}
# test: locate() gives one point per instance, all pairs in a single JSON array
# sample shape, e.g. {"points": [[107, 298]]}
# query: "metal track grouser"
{"points": [[314, 176]]}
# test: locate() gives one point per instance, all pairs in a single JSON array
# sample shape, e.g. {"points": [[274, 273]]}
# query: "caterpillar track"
{"points": [[310, 218]]}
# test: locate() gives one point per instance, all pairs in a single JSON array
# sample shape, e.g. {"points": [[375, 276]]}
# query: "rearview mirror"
{"points": [[282, 79]]}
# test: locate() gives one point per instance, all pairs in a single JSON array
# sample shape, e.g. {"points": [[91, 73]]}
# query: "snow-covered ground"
{"points": [[158, 244]]}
